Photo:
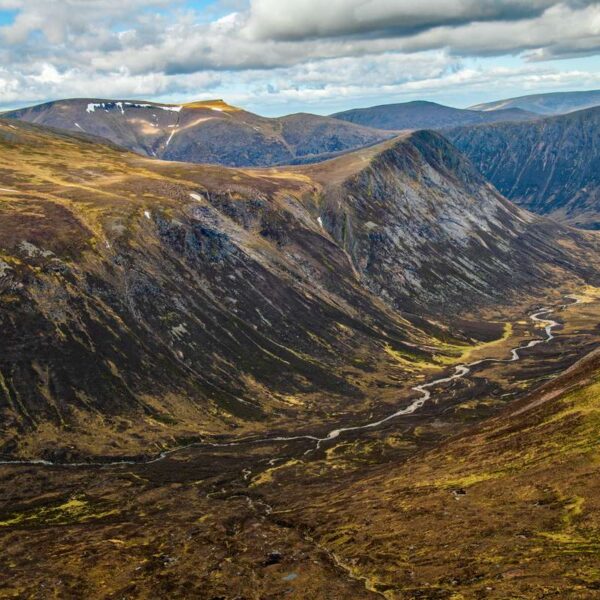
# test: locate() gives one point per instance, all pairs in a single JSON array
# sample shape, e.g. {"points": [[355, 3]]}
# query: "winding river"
{"points": [[460, 371]]}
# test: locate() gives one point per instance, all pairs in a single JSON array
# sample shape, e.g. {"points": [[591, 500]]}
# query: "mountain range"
{"points": [[545, 104], [545, 165], [204, 132], [218, 133], [147, 283]]}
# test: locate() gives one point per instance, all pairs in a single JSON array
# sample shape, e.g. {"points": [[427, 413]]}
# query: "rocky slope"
{"points": [[555, 103], [424, 229], [204, 132], [551, 166], [426, 115], [146, 303]]}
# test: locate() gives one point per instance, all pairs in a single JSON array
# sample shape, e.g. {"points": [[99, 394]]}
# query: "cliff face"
{"points": [[424, 229], [144, 302], [551, 166]]}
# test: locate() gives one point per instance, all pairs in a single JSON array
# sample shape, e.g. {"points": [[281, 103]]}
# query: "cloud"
{"points": [[302, 19], [297, 51], [59, 20], [560, 30], [323, 86], [230, 43]]}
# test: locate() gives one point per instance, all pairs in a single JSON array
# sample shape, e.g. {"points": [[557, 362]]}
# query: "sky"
{"points": [[277, 57]]}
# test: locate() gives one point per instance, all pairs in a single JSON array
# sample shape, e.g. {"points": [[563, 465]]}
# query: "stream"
{"points": [[460, 371]]}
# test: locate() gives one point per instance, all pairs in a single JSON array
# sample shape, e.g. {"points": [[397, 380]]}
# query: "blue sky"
{"points": [[276, 57], [7, 16]]}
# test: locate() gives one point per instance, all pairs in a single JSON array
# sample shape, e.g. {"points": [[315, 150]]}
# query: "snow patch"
{"points": [[92, 106], [147, 214], [170, 137], [320, 221], [197, 197]]}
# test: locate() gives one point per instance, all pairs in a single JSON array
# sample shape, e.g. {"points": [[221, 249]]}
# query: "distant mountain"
{"points": [[204, 132], [551, 166], [545, 104], [146, 303], [425, 115]]}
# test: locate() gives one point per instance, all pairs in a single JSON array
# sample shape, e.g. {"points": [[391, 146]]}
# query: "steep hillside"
{"points": [[145, 302], [267, 383], [424, 229], [204, 132], [551, 166], [425, 115], [162, 300], [555, 103]]}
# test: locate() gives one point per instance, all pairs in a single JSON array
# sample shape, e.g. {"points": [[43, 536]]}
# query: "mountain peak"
{"points": [[217, 104]]}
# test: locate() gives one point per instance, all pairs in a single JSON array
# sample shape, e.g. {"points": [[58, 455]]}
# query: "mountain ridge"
{"points": [[209, 131], [552, 103], [421, 114]]}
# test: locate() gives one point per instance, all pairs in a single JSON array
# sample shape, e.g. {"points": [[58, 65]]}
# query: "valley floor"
{"points": [[457, 499]]}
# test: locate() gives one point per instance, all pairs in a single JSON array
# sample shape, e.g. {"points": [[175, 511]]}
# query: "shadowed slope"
{"points": [[551, 167]]}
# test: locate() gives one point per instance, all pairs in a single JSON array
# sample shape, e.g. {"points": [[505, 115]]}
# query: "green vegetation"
{"points": [[73, 510]]}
